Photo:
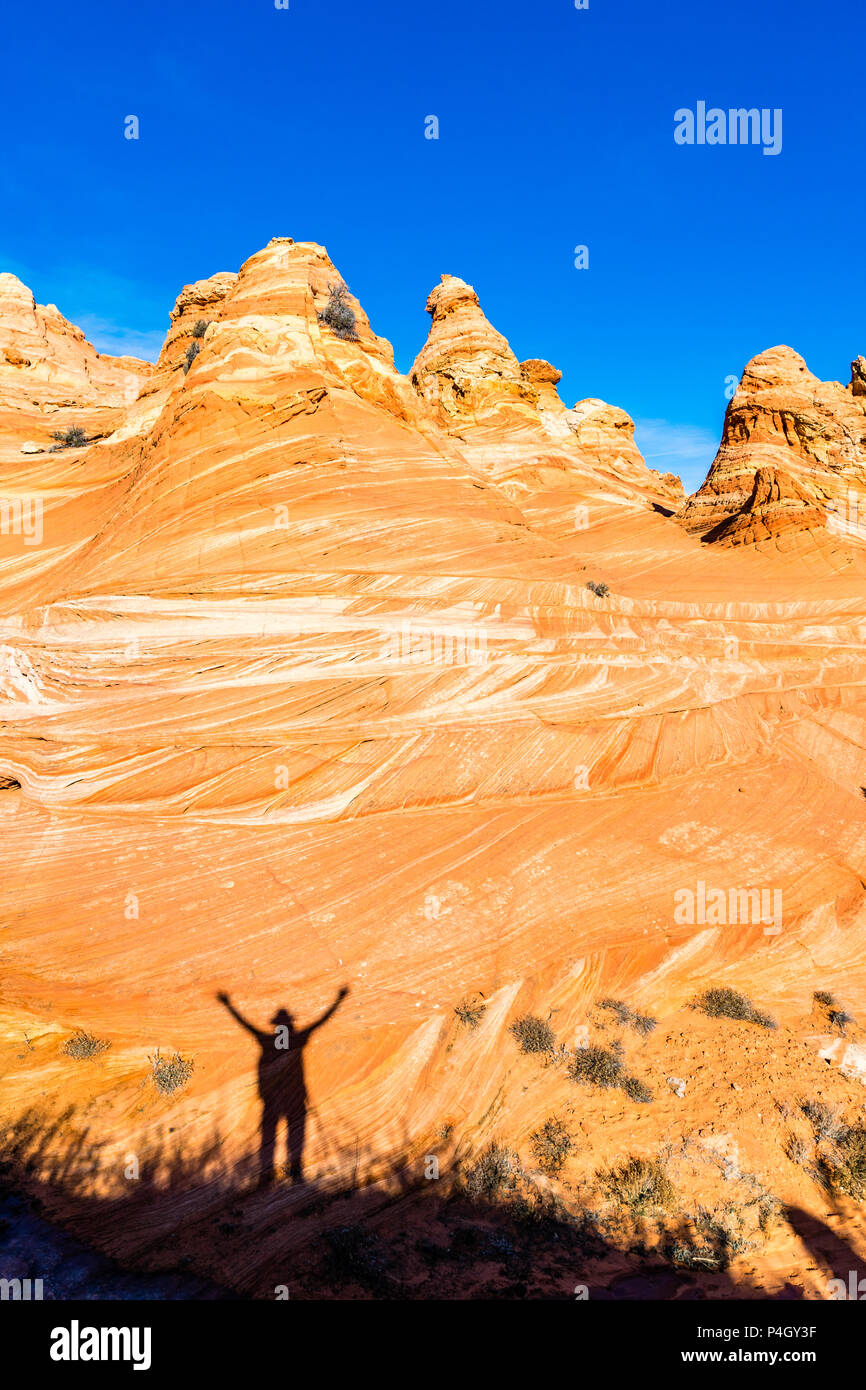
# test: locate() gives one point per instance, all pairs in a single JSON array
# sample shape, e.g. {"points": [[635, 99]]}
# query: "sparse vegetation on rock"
{"points": [[722, 1002], [638, 1183], [84, 1045], [72, 438], [637, 1090], [470, 1014], [796, 1149], [641, 1023], [825, 1119], [848, 1173], [597, 1066], [836, 1016], [605, 1067], [170, 1073], [533, 1034], [495, 1170], [551, 1145], [192, 353], [338, 313], [600, 590]]}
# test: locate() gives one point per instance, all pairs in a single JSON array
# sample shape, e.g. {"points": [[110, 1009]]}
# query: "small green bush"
{"points": [[84, 1045], [637, 1090], [496, 1169], [600, 590], [796, 1149], [72, 438], [641, 1023], [850, 1174], [470, 1015], [687, 1256], [169, 1074], [339, 314], [201, 327], [192, 353], [551, 1145], [825, 1119], [638, 1183], [597, 1066], [723, 1002], [533, 1034], [840, 1019]]}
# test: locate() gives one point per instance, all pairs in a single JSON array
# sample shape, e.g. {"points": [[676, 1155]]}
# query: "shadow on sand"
{"points": [[202, 1232]]}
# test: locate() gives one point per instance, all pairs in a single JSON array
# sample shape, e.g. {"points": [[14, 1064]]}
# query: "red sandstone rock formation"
{"points": [[50, 375], [792, 459], [304, 686]]}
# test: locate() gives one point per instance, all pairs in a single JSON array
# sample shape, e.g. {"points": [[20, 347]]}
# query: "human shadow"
{"points": [[847, 1268], [282, 1085], [189, 1230]]}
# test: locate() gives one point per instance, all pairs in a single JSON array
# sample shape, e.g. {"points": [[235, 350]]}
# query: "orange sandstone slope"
{"points": [[305, 686]]}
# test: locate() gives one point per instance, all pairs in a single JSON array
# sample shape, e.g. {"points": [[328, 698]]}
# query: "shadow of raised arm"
{"points": [[257, 1033], [323, 1018]]}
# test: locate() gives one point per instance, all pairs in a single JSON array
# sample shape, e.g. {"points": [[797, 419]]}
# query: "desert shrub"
{"points": [[84, 1045], [339, 314], [724, 1229], [600, 590], [641, 1023], [551, 1145], [470, 1015], [723, 1002], [597, 1066], [496, 1169], [533, 1034], [354, 1256], [169, 1074], [192, 353], [687, 1256], [849, 1175], [840, 1019], [637, 1090], [796, 1149], [638, 1183], [72, 438], [825, 1119], [201, 327]]}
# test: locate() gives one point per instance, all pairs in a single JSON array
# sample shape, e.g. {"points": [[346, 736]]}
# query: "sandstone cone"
{"points": [[801, 442]]}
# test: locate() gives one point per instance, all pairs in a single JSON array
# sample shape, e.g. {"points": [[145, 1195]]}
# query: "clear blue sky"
{"points": [[556, 129]]}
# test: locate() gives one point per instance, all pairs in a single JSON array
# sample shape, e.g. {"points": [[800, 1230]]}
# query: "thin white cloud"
{"points": [[117, 341], [671, 448]]}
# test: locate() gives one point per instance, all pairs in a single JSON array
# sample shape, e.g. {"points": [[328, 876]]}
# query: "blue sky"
{"points": [[555, 130]]}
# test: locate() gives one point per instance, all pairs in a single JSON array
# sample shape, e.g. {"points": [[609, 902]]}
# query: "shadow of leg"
{"points": [[297, 1132], [267, 1146]]}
